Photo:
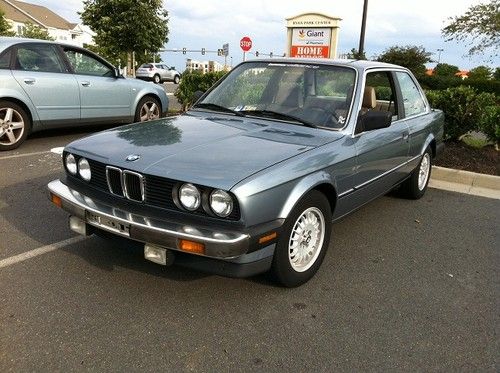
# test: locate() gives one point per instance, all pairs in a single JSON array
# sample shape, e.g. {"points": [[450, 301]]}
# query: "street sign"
{"points": [[246, 43], [225, 48]]}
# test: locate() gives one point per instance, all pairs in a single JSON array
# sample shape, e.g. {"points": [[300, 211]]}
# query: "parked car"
{"points": [[158, 73], [251, 177], [47, 85]]}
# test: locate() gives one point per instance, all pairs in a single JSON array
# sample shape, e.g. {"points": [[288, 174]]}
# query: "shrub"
{"points": [[464, 110], [490, 125], [192, 82], [443, 82]]}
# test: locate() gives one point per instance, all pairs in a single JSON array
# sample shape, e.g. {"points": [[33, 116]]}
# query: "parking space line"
{"points": [[24, 155], [39, 251]]}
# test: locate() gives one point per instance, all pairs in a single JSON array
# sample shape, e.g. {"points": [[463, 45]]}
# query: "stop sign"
{"points": [[246, 43]]}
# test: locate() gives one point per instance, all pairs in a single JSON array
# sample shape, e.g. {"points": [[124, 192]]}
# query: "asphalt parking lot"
{"points": [[405, 286]]}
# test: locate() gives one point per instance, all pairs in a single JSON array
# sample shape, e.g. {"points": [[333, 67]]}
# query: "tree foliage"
{"points": [[444, 69], [410, 56], [120, 58], [481, 73], [124, 26], [195, 81], [355, 55], [496, 74], [479, 27], [5, 26], [32, 31]]}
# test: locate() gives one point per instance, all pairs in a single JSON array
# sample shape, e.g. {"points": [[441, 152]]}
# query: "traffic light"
{"points": [[220, 52], [203, 51], [271, 55], [184, 50], [257, 54]]}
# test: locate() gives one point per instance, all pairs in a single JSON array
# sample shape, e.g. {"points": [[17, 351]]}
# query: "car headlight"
{"points": [[189, 196], [84, 169], [221, 203], [71, 164]]}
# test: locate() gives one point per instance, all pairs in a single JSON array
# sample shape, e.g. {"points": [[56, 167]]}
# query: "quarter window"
{"points": [[5, 60], [85, 64], [38, 57], [413, 102]]}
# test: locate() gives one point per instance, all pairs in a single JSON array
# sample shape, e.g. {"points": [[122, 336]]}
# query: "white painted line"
{"points": [[170, 94], [58, 150], [39, 251], [24, 155]]}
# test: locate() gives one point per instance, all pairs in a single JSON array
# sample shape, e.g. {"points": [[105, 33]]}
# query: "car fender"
{"points": [[303, 187], [140, 92], [16, 95], [427, 143]]}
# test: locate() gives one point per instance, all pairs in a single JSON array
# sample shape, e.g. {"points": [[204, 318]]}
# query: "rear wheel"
{"points": [[416, 185], [148, 108], [14, 125], [304, 241], [156, 79]]}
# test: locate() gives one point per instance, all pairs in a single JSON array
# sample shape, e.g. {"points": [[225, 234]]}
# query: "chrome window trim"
{"points": [[109, 183], [124, 184]]}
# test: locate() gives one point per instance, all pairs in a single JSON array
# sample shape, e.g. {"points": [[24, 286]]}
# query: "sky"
{"points": [[209, 24]]}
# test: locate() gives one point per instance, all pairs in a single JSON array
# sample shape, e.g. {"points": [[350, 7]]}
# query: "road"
{"points": [[405, 286], [170, 89]]}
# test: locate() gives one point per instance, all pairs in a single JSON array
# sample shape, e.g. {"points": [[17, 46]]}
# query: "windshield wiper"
{"points": [[278, 115], [215, 107]]}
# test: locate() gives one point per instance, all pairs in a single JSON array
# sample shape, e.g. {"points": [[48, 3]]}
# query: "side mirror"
{"points": [[373, 120], [117, 73], [197, 95]]}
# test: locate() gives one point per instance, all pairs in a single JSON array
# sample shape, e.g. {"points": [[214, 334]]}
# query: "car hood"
{"points": [[202, 148]]}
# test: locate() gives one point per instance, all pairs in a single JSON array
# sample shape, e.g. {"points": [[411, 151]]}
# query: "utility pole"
{"points": [[439, 53], [363, 29]]}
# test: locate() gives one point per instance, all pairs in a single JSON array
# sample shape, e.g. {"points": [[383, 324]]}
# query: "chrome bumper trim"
{"points": [[218, 244]]}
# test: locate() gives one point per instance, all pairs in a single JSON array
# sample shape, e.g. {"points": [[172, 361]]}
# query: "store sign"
{"points": [[311, 42]]}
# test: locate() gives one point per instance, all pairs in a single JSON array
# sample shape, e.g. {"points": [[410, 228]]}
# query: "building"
{"points": [[18, 13], [203, 66]]}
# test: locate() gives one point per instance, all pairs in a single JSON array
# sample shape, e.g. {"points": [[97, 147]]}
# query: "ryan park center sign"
{"points": [[312, 35]]}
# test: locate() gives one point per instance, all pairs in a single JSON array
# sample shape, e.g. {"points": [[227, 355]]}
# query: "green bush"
{"points": [[490, 124], [443, 82], [464, 110], [192, 82]]}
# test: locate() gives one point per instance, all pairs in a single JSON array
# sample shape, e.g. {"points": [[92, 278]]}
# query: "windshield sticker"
{"points": [[249, 108], [294, 65], [239, 108]]}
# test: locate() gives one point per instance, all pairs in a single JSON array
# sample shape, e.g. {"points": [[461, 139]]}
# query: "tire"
{"points": [[293, 267], [415, 186], [156, 79], [15, 125], [145, 111], [177, 79]]}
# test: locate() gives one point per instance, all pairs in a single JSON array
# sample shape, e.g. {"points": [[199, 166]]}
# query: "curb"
{"points": [[465, 182]]}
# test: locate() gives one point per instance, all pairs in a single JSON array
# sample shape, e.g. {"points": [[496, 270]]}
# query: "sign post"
{"points": [[245, 45], [225, 49]]}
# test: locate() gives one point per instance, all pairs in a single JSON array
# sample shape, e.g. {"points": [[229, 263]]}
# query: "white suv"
{"points": [[158, 73]]}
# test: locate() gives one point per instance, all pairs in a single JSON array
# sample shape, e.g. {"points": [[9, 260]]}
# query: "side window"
{"points": [[85, 64], [379, 94], [5, 60], [38, 57], [412, 99]]}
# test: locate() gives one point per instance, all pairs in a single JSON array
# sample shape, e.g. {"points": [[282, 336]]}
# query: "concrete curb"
{"points": [[465, 182]]}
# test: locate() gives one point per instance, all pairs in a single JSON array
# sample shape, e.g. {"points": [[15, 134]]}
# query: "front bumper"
{"points": [[219, 244]]}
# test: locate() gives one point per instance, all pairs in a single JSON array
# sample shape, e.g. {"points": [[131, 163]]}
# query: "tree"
{"points": [[479, 27], [5, 26], [410, 56], [120, 58], [444, 69], [481, 73], [355, 55], [496, 74], [125, 26], [32, 31]]}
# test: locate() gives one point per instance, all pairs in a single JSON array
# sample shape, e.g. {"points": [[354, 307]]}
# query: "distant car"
{"points": [[47, 85], [251, 177], [158, 73]]}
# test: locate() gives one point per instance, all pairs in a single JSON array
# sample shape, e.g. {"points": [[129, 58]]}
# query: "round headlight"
{"points": [[84, 169], [189, 196], [221, 203], [71, 164]]}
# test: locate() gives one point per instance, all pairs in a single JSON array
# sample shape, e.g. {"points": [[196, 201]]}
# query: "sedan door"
{"points": [[42, 74], [104, 97]]}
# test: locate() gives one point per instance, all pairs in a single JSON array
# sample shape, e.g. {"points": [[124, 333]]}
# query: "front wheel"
{"points": [[176, 79], [14, 125], [302, 246], [148, 108], [415, 186]]}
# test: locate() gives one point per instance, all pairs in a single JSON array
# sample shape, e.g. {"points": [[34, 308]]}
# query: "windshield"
{"points": [[306, 94]]}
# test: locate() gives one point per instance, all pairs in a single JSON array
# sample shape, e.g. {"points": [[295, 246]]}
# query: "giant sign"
{"points": [[311, 42]]}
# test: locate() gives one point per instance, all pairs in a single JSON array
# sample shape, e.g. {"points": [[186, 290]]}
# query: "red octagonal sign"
{"points": [[246, 43]]}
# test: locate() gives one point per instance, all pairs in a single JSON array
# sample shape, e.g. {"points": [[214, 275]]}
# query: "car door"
{"points": [[41, 72], [380, 153], [104, 97]]}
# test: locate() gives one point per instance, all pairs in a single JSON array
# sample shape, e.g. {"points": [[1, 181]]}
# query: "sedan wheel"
{"points": [[14, 125], [148, 109], [415, 186], [304, 240]]}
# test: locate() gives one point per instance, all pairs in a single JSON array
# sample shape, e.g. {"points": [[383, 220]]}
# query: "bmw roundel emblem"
{"points": [[132, 157]]}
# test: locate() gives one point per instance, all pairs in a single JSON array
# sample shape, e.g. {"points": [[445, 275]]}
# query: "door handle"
{"points": [[29, 80], [405, 136], [86, 84]]}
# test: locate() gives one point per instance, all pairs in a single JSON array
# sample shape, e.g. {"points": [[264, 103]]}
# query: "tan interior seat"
{"points": [[369, 99]]}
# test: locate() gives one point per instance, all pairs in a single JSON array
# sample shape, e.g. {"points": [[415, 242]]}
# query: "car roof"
{"points": [[358, 64]]}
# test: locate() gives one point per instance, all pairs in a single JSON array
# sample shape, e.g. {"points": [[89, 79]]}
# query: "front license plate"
{"points": [[108, 224]]}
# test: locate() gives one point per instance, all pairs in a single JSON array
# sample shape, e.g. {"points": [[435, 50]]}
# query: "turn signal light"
{"points": [[192, 247], [56, 200], [268, 237]]}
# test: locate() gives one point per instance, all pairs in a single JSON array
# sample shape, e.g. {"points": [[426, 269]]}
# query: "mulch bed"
{"points": [[463, 157]]}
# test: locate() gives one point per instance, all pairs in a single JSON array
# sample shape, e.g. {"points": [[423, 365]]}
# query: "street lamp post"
{"points": [[363, 28], [439, 53]]}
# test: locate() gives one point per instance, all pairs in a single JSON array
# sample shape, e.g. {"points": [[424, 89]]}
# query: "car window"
{"points": [[38, 57], [85, 64], [5, 60], [379, 94], [413, 101]]}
